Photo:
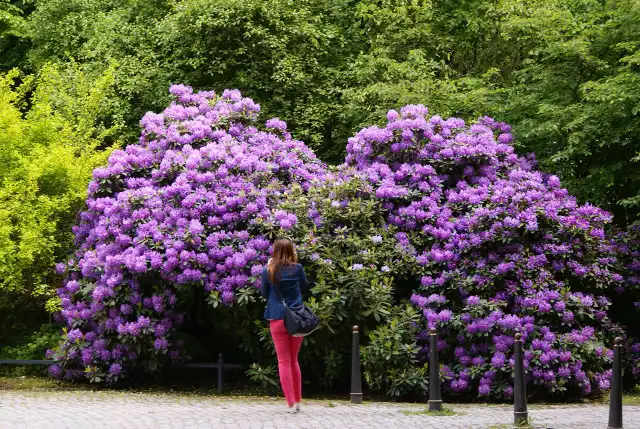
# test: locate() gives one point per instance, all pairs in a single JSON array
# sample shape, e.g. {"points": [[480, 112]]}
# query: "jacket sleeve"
{"points": [[265, 284], [304, 283]]}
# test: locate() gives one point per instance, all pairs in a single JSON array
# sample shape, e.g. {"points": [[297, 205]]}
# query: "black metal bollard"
{"points": [[520, 413], [356, 377], [220, 368], [615, 400], [435, 397]]}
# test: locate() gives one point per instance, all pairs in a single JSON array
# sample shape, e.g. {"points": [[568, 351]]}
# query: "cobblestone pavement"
{"points": [[86, 409]]}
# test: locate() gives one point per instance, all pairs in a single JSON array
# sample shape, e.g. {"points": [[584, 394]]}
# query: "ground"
{"points": [[112, 409]]}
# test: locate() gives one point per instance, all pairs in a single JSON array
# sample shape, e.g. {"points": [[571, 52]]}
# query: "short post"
{"points": [[520, 413], [356, 378], [615, 400], [435, 398], [220, 368]]}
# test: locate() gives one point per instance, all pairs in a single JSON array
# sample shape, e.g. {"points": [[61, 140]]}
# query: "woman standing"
{"points": [[284, 279]]}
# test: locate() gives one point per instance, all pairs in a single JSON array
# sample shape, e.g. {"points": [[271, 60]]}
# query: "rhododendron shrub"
{"points": [[498, 248], [348, 252], [175, 211], [434, 213], [627, 304]]}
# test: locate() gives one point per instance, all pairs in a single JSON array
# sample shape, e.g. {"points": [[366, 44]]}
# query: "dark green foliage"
{"points": [[14, 41], [391, 357], [28, 341], [33, 345], [564, 73]]}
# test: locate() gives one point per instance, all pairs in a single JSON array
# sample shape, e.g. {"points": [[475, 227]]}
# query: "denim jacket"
{"points": [[293, 281]]}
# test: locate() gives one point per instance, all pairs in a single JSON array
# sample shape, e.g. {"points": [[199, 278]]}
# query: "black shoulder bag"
{"points": [[300, 321]]}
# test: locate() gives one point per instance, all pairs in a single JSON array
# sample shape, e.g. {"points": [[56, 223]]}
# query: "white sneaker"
{"points": [[297, 405], [291, 410]]}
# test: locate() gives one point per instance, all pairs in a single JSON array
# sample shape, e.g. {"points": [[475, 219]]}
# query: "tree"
{"points": [[564, 74], [48, 155], [14, 43]]}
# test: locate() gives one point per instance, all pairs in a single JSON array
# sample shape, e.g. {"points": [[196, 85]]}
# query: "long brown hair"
{"points": [[283, 255]]}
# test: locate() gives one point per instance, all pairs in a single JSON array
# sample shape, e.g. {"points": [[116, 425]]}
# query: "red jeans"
{"points": [[287, 348]]}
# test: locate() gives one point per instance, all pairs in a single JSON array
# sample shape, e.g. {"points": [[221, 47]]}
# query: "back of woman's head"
{"points": [[283, 255]]}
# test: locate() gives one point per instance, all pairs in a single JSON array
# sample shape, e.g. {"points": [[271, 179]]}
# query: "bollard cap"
{"points": [[432, 331], [355, 328], [617, 342], [518, 336]]}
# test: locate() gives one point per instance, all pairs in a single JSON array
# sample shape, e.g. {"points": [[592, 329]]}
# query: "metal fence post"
{"points": [[615, 400], [435, 397], [520, 413], [220, 368], [356, 377]]}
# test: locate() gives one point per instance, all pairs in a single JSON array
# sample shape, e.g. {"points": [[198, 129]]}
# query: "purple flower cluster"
{"points": [[176, 209]]}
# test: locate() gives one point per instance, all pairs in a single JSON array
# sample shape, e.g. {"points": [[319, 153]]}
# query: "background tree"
{"points": [[564, 73], [48, 156]]}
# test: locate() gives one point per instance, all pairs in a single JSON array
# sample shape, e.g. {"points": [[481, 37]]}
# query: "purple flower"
{"points": [[484, 390], [115, 369], [473, 300], [55, 371], [160, 344], [498, 360], [74, 335], [276, 123]]}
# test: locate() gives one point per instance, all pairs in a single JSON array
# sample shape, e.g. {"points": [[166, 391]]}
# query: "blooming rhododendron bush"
{"points": [[428, 223], [498, 248], [175, 211], [627, 305]]}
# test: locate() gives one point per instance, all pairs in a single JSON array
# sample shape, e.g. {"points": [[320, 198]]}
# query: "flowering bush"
{"points": [[628, 302], [348, 254], [175, 211], [498, 248], [433, 212]]}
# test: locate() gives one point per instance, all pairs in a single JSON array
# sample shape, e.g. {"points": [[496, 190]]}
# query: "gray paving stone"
{"points": [[79, 410]]}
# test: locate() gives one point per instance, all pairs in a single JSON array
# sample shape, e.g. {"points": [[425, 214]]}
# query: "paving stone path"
{"points": [[87, 409]]}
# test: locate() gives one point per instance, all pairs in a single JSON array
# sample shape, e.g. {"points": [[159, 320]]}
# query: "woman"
{"points": [[284, 279]]}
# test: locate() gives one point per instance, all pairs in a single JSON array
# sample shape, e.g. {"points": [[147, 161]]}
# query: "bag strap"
{"points": [[280, 294]]}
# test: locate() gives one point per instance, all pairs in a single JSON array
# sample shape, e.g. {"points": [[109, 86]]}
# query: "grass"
{"points": [[444, 412], [632, 397], [239, 390], [513, 425], [37, 383], [232, 390]]}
